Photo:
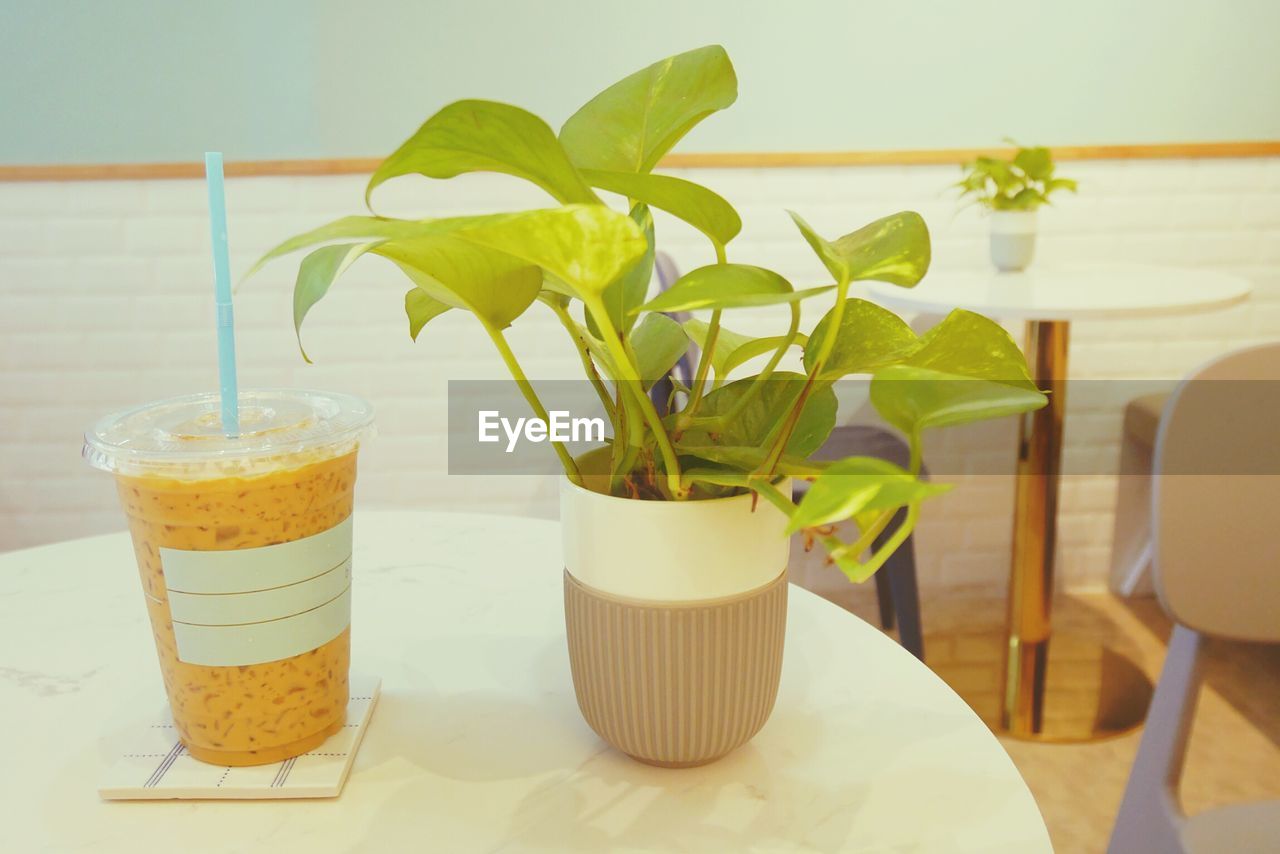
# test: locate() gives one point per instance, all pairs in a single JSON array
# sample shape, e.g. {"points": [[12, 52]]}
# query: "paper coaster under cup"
{"points": [[155, 765]]}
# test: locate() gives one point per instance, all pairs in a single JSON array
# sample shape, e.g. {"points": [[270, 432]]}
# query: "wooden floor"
{"points": [[1234, 754]]}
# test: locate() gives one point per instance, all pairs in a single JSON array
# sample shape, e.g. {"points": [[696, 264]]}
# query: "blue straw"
{"points": [[222, 295]]}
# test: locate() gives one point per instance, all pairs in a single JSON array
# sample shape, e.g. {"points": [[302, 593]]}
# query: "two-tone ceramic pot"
{"points": [[676, 613], [1013, 239]]}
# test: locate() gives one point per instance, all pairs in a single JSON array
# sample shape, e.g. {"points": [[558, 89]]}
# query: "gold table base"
{"points": [[1091, 691], [1053, 687]]}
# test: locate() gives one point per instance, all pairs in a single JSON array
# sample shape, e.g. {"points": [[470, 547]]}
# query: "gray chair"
{"points": [[1131, 533], [897, 594], [1215, 514]]}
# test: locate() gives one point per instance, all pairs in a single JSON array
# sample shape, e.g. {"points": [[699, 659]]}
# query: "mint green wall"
{"points": [[146, 80]]}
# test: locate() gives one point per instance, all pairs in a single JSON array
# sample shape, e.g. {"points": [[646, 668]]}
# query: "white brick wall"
{"points": [[105, 302]]}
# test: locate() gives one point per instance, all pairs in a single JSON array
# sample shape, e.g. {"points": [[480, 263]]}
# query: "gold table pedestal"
{"points": [[1091, 691], [1052, 686]]}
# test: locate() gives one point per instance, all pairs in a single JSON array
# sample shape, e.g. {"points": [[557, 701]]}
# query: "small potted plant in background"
{"points": [[676, 530], [1013, 190]]}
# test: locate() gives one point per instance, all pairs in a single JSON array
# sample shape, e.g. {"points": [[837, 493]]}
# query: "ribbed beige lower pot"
{"points": [[676, 614]]}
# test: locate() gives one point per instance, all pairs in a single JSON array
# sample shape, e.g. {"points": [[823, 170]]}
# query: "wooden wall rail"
{"points": [[710, 160]]}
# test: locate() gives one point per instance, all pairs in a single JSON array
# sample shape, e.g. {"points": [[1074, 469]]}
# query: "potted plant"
{"points": [[1013, 190], [676, 530]]}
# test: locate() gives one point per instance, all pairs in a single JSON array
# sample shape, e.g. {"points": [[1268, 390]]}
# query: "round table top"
{"points": [[1070, 293], [476, 743]]}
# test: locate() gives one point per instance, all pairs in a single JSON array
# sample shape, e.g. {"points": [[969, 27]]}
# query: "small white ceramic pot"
{"points": [[675, 614], [1013, 239]]}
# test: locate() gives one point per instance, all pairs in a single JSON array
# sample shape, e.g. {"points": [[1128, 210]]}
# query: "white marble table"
{"points": [[476, 743], [1078, 292], [1049, 299]]}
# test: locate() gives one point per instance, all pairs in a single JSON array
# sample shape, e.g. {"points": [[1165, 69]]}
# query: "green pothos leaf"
{"points": [[586, 247], [763, 414], [859, 485], [486, 136], [421, 308], [658, 342], [364, 228], [719, 286], [625, 293], [970, 345], [494, 286], [632, 124], [915, 399], [893, 249], [734, 349], [701, 208], [869, 337], [315, 274], [750, 459]]}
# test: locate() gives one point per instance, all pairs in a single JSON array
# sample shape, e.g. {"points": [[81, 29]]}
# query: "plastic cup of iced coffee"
{"points": [[244, 551]]}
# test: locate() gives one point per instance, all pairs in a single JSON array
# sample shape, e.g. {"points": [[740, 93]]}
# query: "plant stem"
{"points": [[866, 570], [824, 353], [704, 367], [704, 361], [531, 396], [630, 384], [833, 330], [757, 385], [623, 467], [627, 442], [774, 496], [618, 450], [867, 537], [788, 425], [584, 353]]}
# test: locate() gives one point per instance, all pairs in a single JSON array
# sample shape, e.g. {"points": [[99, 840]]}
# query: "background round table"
{"points": [[476, 743], [1080, 292], [1048, 299]]}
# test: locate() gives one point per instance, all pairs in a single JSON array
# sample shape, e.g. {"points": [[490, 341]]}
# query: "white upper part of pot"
{"points": [[671, 551]]}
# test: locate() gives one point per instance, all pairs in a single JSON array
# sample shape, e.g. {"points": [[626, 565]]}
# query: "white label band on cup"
{"points": [[248, 606], [255, 643], [234, 609]]}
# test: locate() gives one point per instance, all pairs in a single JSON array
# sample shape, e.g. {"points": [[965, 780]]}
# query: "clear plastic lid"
{"points": [[182, 437]]}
